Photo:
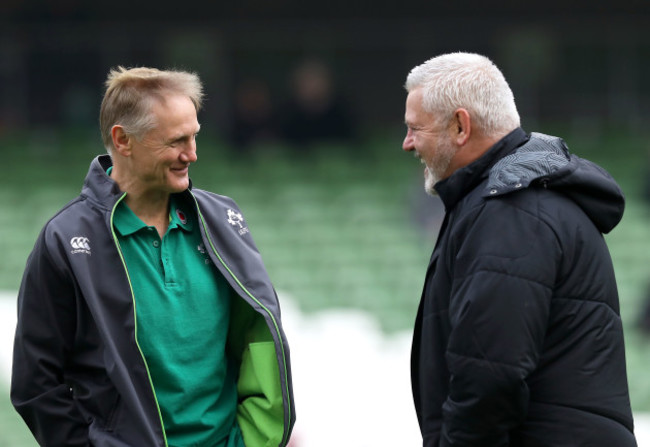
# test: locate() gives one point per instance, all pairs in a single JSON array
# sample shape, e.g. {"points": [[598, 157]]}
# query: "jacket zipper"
{"points": [[275, 324], [135, 318]]}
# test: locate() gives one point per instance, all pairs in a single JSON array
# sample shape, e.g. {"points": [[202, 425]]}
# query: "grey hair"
{"points": [[130, 94], [469, 81]]}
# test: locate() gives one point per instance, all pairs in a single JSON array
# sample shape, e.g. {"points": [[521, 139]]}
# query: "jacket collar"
{"points": [[99, 186], [452, 189]]}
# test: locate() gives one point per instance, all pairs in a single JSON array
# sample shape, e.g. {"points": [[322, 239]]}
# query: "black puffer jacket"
{"points": [[518, 339]]}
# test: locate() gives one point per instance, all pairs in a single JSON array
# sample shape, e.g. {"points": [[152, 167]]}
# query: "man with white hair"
{"points": [[518, 339], [145, 315]]}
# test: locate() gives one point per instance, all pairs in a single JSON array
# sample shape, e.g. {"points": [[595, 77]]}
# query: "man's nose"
{"points": [[189, 154], [407, 144]]}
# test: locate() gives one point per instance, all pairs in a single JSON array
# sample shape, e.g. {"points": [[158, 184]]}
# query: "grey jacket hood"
{"points": [[545, 160]]}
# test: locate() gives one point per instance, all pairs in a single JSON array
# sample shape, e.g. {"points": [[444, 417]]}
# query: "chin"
{"points": [[177, 187], [429, 183], [431, 191]]}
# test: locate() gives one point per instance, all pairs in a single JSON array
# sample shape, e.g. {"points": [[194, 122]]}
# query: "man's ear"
{"points": [[121, 141], [462, 123]]}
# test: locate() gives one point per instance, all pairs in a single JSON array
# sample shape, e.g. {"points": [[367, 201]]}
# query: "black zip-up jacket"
{"points": [[518, 339], [79, 377]]}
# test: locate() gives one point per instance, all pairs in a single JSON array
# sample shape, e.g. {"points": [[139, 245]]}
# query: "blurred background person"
{"points": [[315, 112], [254, 121]]}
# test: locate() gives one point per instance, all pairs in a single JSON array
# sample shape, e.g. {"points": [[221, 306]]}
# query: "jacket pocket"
{"points": [[99, 402], [111, 417]]}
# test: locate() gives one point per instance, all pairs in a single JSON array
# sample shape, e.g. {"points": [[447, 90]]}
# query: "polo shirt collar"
{"points": [[125, 220], [127, 223], [178, 215]]}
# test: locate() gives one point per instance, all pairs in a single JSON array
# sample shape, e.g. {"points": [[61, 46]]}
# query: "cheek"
{"points": [[426, 148]]}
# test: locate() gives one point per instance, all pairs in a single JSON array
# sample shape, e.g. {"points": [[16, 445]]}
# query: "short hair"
{"points": [[470, 81], [130, 93]]}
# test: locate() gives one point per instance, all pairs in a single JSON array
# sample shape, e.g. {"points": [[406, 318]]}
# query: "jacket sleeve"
{"points": [[504, 268], [42, 349]]}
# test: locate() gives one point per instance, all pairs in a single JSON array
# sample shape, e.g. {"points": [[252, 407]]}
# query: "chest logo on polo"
{"points": [[203, 251], [236, 219], [80, 244]]}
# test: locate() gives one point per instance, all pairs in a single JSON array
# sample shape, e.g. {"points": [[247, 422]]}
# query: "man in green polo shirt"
{"points": [[172, 275], [182, 304], [146, 316]]}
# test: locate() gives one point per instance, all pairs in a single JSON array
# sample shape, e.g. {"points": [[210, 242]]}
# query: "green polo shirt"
{"points": [[182, 312]]}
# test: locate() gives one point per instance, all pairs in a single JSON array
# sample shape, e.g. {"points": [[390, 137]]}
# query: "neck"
{"points": [[472, 151], [147, 206], [152, 207], [152, 210]]}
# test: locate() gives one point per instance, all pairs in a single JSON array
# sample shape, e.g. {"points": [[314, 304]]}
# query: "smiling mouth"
{"points": [[426, 168]]}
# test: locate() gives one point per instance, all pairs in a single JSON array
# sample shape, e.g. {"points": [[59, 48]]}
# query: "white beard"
{"points": [[439, 165], [429, 182]]}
